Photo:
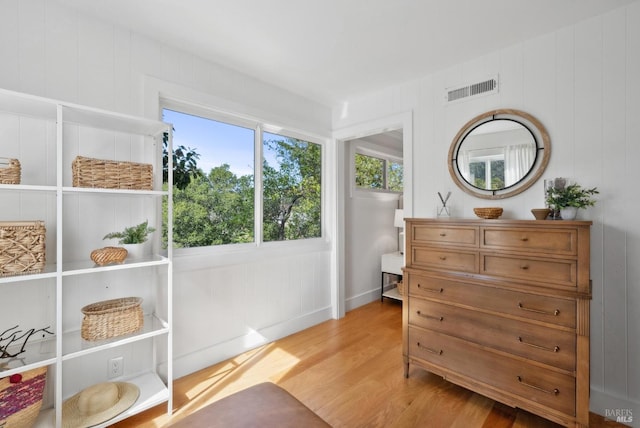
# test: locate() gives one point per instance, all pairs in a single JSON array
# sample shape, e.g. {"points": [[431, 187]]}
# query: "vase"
{"points": [[135, 251], [568, 213]]}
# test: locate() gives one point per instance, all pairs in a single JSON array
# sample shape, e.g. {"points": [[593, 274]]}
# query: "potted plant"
{"points": [[568, 199], [132, 238]]}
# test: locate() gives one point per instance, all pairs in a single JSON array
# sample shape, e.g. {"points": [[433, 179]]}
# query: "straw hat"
{"points": [[98, 403]]}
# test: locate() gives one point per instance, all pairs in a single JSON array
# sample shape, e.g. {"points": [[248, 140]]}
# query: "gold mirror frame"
{"points": [[543, 153]]}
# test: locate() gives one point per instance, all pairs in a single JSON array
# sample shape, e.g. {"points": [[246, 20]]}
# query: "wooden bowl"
{"points": [[540, 213], [488, 213]]}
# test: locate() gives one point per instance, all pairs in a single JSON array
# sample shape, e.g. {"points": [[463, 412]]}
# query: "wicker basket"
{"points": [[400, 288], [112, 318], [20, 400], [488, 213], [105, 174], [22, 247], [9, 171], [108, 255]]}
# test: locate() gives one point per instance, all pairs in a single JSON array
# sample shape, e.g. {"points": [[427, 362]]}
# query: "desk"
{"points": [[391, 265]]}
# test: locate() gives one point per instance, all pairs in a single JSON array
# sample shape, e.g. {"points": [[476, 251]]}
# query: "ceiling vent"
{"points": [[459, 93]]}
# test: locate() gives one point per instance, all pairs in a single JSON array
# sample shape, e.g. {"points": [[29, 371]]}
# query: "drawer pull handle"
{"points": [[524, 267], [443, 258], [426, 348], [524, 239], [538, 311], [555, 391], [533, 345], [431, 290], [443, 234], [430, 317]]}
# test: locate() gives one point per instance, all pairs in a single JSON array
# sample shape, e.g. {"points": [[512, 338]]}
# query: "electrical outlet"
{"points": [[116, 367]]}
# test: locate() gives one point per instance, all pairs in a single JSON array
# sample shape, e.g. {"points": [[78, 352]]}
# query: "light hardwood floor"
{"points": [[350, 372]]}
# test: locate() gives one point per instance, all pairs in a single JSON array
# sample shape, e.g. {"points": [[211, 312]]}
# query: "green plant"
{"points": [[132, 235], [572, 195]]}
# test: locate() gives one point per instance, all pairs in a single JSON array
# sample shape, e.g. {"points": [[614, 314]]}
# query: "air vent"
{"points": [[485, 87]]}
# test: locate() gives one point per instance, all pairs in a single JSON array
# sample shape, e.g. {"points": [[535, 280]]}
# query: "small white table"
{"points": [[391, 264]]}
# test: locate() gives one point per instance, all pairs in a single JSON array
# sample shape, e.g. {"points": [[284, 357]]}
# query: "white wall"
{"points": [[222, 305], [582, 83]]}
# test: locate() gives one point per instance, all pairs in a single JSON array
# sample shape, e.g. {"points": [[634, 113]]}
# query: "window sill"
{"points": [[190, 259]]}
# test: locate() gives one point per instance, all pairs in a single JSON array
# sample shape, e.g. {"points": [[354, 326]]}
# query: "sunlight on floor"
{"points": [[245, 370]]}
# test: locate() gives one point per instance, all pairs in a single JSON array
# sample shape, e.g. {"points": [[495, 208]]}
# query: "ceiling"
{"points": [[330, 50]]}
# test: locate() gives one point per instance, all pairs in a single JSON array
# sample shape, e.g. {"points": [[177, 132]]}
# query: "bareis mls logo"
{"points": [[619, 415]]}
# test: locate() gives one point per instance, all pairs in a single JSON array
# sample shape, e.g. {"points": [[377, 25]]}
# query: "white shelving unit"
{"points": [[46, 135], [391, 265]]}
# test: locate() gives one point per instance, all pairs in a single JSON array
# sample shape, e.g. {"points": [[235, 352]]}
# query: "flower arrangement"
{"points": [[572, 195]]}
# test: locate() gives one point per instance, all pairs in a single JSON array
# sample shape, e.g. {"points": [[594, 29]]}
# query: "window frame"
{"points": [[259, 126], [378, 154]]}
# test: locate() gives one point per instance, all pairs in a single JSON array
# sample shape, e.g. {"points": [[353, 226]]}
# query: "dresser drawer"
{"points": [[530, 382], [435, 258], [546, 241], [445, 235], [549, 272], [530, 306], [531, 341]]}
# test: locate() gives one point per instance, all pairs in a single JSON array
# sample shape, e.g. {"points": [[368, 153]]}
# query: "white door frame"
{"points": [[402, 121]]}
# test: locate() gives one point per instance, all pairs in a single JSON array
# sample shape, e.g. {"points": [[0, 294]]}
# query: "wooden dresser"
{"points": [[501, 307]]}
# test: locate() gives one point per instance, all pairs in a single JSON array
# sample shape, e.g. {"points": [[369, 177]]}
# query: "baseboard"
{"points": [[615, 408], [362, 299], [189, 363]]}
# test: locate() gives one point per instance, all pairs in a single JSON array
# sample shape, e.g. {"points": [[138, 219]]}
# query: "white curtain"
{"points": [[518, 160], [463, 165]]}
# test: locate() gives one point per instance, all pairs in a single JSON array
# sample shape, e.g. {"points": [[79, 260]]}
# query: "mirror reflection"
{"points": [[496, 154], [499, 154]]}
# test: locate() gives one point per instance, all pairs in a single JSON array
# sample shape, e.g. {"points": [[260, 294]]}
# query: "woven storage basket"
{"points": [[88, 172], [112, 318], [20, 402], [9, 171], [22, 247], [108, 255], [488, 213], [400, 288]]}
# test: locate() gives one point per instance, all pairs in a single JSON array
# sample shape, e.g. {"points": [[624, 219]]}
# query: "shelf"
{"points": [[392, 294], [37, 354], [84, 267], [62, 130], [96, 190], [49, 271], [73, 345], [153, 391], [27, 105], [86, 116], [28, 187]]}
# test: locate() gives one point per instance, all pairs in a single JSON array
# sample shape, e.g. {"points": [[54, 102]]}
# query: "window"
{"points": [[487, 169], [291, 178], [377, 173], [216, 204]]}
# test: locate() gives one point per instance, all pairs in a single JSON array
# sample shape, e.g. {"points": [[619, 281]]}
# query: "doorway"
{"points": [[366, 216]]}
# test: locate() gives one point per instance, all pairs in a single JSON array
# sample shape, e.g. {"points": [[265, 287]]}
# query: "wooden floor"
{"points": [[349, 372]]}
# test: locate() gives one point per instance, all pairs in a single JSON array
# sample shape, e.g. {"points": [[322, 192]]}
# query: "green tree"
{"points": [[369, 172], [395, 176], [214, 209], [185, 164], [292, 190]]}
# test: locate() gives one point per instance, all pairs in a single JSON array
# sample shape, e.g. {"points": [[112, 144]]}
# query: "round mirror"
{"points": [[499, 154]]}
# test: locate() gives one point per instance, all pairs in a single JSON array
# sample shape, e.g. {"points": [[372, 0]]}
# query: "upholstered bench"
{"points": [[264, 405]]}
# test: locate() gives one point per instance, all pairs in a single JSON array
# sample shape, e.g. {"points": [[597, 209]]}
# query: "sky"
{"points": [[216, 142]]}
